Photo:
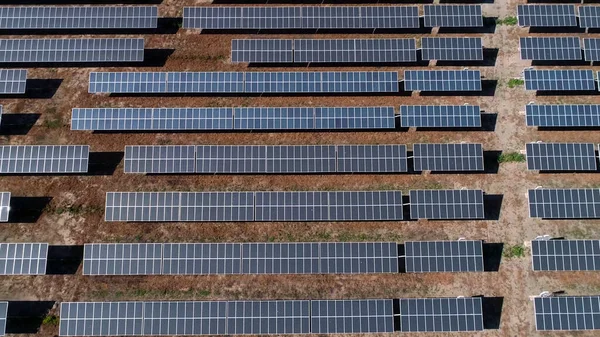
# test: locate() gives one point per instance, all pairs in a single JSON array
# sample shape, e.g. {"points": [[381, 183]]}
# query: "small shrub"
{"points": [[514, 251], [51, 320], [511, 157], [507, 21], [515, 82]]}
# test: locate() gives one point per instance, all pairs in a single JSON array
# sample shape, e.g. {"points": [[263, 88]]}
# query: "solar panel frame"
{"points": [[23, 258], [38, 159], [446, 204], [589, 16], [567, 115], [440, 116], [453, 16], [442, 80], [441, 314], [566, 313], [101, 319], [565, 255], [13, 81], [201, 258], [354, 50], [262, 50], [3, 317], [564, 203], [352, 316], [160, 159], [561, 156], [556, 80], [371, 158], [4, 206], [122, 259], [448, 157], [591, 49], [443, 256], [452, 48], [556, 48], [559, 15]]}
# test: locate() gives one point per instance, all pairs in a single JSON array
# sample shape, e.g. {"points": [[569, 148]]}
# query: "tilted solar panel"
{"points": [[3, 317], [160, 159], [266, 158], [13, 81], [360, 17], [355, 50], [446, 204], [453, 16], [4, 206], [78, 17], [329, 118], [589, 16], [568, 115], [442, 80], [32, 159], [591, 49], [443, 256], [1, 112], [441, 314], [201, 258], [566, 313], [184, 318], [572, 79], [448, 157], [564, 203], [561, 156], [452, 48], [328, 206], [546, 15], [262, 51], [101, 319], [179, 206], [23, 258], [371, 158], [300, 118], [440, 116], [268, 317], [122, 259], [565, 255], [72, 50], [352, 316], [550, 48]]}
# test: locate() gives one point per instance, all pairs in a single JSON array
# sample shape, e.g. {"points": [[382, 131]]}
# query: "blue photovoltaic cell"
{"points": [[568, 115], [13, 81], [556, 80], [440, 116], [442, 80]]}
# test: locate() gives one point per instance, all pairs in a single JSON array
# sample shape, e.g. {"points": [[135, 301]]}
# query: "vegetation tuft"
{"points": [[515, 82], [514, 252], [507, 21], [50, 320], [511, 157]]}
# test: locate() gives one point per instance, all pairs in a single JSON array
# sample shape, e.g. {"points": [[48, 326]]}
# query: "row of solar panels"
{"points": [[566, 115], [292, 206], [4, 206], [565, 255], [561, 157], [38, 159], [559, 15], [301, 158], [559, 48], [583, 203], [263, 118], [559, 80], [270, 317], [282, 82], [355, 50], [567, 313], [13, 81]]}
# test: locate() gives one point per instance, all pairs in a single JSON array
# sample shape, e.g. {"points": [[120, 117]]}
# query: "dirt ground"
{"points": [[74, 214]]}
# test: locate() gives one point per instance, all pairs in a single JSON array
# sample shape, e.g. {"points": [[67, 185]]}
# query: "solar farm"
{"points": [[182, 168]]}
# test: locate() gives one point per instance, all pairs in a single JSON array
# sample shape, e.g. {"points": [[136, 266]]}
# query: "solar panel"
{"points": [[305, 17], [446, 204], [179, 206], [151, 119], [262, 51], [546, 15], [71, 50], [274, 118], [355, 50], [561, 156], [371, 158], [564, 203], [13, 81], [573, 79], [443, 256], [448, 157], [4, 206], [440, 116], [122, 259], [589, 16], [591, 49], [550, 48], [23, 258], [441, 314], [268, 317], [452, 48], [565, 255], [184, 318], [328, 206], [266, 159], [101, 319], [568, 115], [352, 316], [453, 16], [78, 17], [201, 258], [566, 313], [330, 118], [24, 159], [3, 317], [160, 159], [1, 115], [442, 80]]}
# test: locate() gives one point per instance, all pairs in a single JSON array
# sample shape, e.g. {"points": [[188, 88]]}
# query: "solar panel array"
{"points": [[566, 313], [571, 79], [351, 316], [561, 156], [122, 259], [443, 256], [448, 157], [453, 16], [440, 116], [72, 50], [441, 314], [568, 115], [550, 48], [452, 48], [78, 17], [243, 82], [446, 204], [305, 17], [37, 159], [564, 203], [565, 255], [591, 49], [546, 15], [442, 80], [371, 158], [262, 51], [23, 258], [13, 81], [3, 317], [589, 17], [101, 319], [160, 159], [4, 206]]}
